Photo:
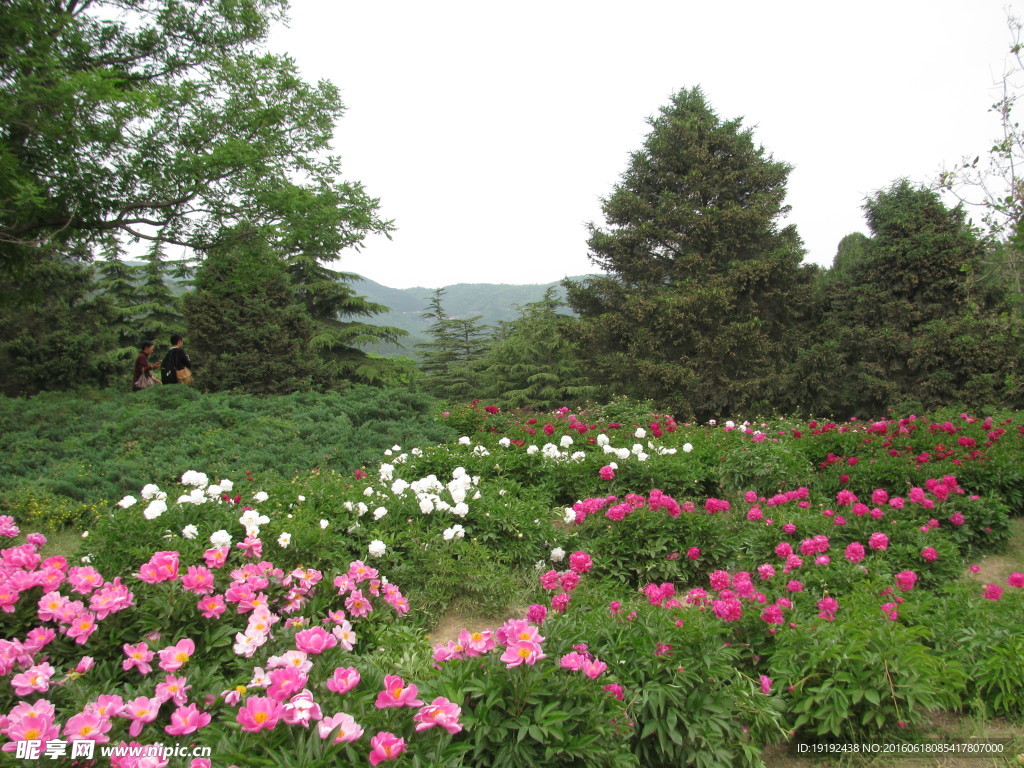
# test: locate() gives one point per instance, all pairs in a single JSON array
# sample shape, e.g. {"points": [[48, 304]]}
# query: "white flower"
{"points": [[504, 442], [602, 439], [608, 448], [126, 502], [558, 554], [301, 498], [388, 452], [687, 447], [399, 487], [579, 456], [464, 440], [85, 534], [379, 512], [640, 433], [226, 485], [368, 491], [712, 422], [455, 532], [348, 506], [622, 453], [386, 472], [540, 565], [284, 540], [532, 450], [214, 490], [361, 508], [260, 496], [149, 491], [426, 505], [642, 456], [566, 441], [613, 465], [324, 524], [155, 509], [396, 448], [197, 479], [401, 458], [461, 509], [197, 496], [189, 532], [87, 559], [220, 538], [730, 425], [377, 548], [570, 516], [479, 450]]}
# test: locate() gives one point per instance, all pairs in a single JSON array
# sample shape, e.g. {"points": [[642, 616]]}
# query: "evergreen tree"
{"points": [[533, 360], [703, 281], [245, 329], [159, 311], [451, 359], [118, 282], [64, 340], [339, 331]]}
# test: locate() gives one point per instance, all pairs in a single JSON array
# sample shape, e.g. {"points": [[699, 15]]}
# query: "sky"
{"points": [[490, 131]]}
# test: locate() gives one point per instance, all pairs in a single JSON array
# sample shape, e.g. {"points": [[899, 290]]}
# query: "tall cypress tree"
{"points": [[699, 295]]}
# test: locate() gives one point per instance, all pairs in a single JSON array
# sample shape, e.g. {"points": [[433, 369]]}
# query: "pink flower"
{"points": [[139, 657], [259, 713], [357, 605], [216, 557], [385, 746], [140, 711], [878, 541], [187, 720], [560, 601], [614, 690], [302, 709], [607, 473], [827, 608], [522, 652], [84, 579], [580, 562], [343, 680], [594, 668], [198, 580], [88, 726], [162, 566], [906, 580], [348, 728], [929, 554], [173, 689], [536, 613], [84, 664], [1015, 579], [440, 712], [212, 606], [766, 685], [174, 657], [992, 592], [285, 682], [82, 626], [35, 678], [315, 640], [477, 643], [397, 694]]}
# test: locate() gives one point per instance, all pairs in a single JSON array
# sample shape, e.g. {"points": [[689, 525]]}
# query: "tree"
{"points": [[164, 121], [245, 329], [901, 320], [695, 309], [533, 361], [450, 360], [64, 340]]}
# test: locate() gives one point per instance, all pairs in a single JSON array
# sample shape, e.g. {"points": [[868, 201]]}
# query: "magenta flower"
{"points": [[212, 606], [397, 694], [187, 720], [905, 580], [536, 613], [992, 592], [827, 608], [594, 668], [1015, 579], [259, 713], [440, 712], [580, 562], [573, 661], [607, 473], [348, 728], [878, 541], [285, 682], [357, 605], [766, 685], [928, 554], [140, 711], [385, 746]]}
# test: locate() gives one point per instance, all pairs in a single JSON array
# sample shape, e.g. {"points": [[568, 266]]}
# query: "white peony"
{"points": [[324, 524], [377, 548], [126, 502], [284, 540], [220, 538], [379, 512], [260, 496], [156, 508], [558, 554], [149, 491], [189, 532], [640, 433]]}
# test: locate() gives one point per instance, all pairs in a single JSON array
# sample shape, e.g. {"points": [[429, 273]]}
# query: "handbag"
{"points": [[144, 381], [184, 376]]}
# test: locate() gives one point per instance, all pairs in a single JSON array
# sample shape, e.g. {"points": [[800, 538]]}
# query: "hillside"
{"points": [[494, 302]]}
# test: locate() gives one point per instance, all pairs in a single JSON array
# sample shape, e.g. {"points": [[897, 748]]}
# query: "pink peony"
{"points": [[440, 712], [397, 694], [385, 746], [259, 713], [348, 728]]}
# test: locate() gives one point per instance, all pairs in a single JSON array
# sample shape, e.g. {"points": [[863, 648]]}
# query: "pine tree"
{"points": [[450, 361], [695, 309]]}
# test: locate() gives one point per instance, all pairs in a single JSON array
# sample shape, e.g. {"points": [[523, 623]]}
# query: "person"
{"points": [[141, 374], [175, 360]]}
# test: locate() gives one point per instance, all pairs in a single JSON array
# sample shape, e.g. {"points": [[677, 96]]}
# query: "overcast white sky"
{"points": [[490, 131]]}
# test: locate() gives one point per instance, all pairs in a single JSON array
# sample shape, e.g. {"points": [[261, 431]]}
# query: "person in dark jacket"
{"points": [[175, 360], [141, 373]]}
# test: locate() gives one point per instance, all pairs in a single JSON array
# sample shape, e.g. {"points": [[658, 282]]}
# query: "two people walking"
{"points": [[176, 367]]}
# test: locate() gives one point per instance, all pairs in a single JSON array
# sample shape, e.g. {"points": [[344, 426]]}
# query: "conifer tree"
{"points": [[451, 359], [699, 294]]}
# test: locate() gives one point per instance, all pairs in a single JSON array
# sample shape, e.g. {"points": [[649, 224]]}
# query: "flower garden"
{"points": [[667, 594]]}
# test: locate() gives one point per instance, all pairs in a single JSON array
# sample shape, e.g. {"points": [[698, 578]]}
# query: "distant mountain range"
{"points": [[494, 302]]}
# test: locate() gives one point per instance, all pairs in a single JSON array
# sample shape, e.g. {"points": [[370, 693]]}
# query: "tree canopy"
{"points": [[167, 121]]}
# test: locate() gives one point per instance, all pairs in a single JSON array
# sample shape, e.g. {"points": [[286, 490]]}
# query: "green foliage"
{"points": [[766, 467], [864, 675]]}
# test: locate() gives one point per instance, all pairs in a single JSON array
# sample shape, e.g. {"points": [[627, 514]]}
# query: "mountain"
{"points": [[495, 302]]}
